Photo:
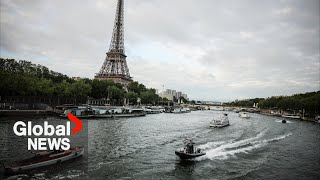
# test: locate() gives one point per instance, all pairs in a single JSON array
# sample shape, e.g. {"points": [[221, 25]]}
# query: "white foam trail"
{"points": [[224, 151], [210, 145], [19, 176], [278, 138], [280, 121]]}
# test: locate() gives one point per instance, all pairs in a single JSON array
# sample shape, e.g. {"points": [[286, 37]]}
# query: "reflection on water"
{"points": [[143, 148]]}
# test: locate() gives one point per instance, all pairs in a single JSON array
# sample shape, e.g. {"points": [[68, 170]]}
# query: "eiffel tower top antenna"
{"points": [[117, 41]]}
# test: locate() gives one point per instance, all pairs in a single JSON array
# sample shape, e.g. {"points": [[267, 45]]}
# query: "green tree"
{"points": [[115, 94], [63, 89], [44, 87], [80, 88], [132, 97], [149, 97], [134, 87]]}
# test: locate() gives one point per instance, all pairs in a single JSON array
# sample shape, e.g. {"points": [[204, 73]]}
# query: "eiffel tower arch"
{"points": [[115, 65]]}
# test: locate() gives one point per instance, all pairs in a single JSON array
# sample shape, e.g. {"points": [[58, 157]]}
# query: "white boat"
{"points": [[118, 112], [128, 112], [292, 116], [228, 109], [221, 121], [103, 113], [236, 110], [244, 115], [79, 112], [42, 159], [275, 113], [217, 108], [181, 110], [152, 110]]}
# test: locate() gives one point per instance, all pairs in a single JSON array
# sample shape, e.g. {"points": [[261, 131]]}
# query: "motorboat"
{"points": [[181, 110], [189, 151], [44, 158], [221, 121], [284, 121], [292, 116], [244, 115], [79, 112]]}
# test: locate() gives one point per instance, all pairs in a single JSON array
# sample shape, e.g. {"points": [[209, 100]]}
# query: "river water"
{"points": [[143, 148]]}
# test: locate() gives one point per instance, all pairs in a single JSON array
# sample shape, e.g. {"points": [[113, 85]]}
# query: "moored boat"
{"points": [[152, 110], [128, 112], [181, 110], [222, 121], [292, 116], [42, 159], [103, 113], [217, 108], [235, 110], [79, 112]]}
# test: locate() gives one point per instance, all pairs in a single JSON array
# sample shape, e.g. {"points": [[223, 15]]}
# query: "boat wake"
{"points": [[226, 149], [280, 121]]}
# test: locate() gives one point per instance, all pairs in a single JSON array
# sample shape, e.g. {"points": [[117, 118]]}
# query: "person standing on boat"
{"points": [[189, 146]]}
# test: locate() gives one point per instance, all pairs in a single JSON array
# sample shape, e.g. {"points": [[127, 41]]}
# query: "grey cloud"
{"points": [[225, 49]]}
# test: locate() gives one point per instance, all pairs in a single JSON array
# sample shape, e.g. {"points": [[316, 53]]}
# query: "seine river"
{"points": [[143, 148]]}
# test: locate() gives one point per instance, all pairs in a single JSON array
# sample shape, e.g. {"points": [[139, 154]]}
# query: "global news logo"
{"points": [[40, 136]]}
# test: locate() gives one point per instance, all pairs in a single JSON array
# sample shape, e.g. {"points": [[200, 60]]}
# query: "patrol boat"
{"points": [[189, 151]]}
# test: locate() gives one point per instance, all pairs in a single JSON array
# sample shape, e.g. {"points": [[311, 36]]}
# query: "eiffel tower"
{"points": [[115, 66]]}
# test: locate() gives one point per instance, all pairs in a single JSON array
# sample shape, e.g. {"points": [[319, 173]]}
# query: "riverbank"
{"points": [[269, 112], [27, 113]]}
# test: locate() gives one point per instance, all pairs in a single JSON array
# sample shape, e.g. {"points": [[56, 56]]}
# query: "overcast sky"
{"points": [[211, 50]]}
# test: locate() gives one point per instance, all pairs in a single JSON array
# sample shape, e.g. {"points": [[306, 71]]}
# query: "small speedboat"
{"points": [[284, 121], [184, 155], [189, 151], [41, 159]]}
